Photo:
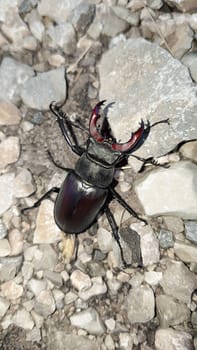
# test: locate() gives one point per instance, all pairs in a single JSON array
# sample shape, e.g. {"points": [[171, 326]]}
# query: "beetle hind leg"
{"points": [[38, 202], [115, 195], [115, 233]]}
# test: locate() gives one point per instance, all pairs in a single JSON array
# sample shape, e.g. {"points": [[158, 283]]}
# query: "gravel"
{"points": [[59, 290]]}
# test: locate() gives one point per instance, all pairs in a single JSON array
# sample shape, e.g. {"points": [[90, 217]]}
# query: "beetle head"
{"points": [[104, 135]]}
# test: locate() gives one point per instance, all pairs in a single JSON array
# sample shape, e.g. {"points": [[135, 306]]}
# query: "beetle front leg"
{"points": [[38, 202], [114, 228], [61, 118], [116, 196]]}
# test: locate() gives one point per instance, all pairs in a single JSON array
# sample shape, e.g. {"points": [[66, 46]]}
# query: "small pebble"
{"points": [[11, 290]]}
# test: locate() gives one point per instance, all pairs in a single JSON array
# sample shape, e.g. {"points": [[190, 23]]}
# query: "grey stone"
{"points": [[191, 231], [27, 271], [170, 339], [9, 114], [109, 342], [148, 242], [113, 25], [95, 29], [23, 319], [44, 303], [16, 240], [176, 32], [54, 277], [70, 297], [189, 150], [10, 266], [46, 231], [27, 5], [183, 5], [140, 304], [10, 151], [153, 277], [80, 280], [4, 247], [82, 16], [186, 252], [23, 184], [170, 311], [181, 40], [38, 92], [136, 280], [96, 269], [195, 343], [131, 244], [63, 36], [166, 239], [11, 290], [5, 7], [3, 230], [17, 32], [190, 61], [59, 298], [47, 259], [105, 240], [178, 281], [193, 22], [58, 13], [35, 25], [132, 18], [126, 341], [135, 5], [13, 75], [113, 285], [155, 4], [72, 341], [4, 306], [38, 118], [36, 286], [98, 288], [194, 319], [174, 224], [89, 320], [34, 335]]}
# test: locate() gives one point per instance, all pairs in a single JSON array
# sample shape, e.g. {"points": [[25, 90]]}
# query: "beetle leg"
{"points": [[147, 161], [38, 202], [55, 163], [61, 119], [116, 196], [114, 228]]}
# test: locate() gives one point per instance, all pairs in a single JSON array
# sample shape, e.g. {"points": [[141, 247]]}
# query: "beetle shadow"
{"points": [[105, 127], [107, 107]]}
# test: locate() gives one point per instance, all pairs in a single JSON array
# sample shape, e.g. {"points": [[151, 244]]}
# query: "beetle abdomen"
{"points": [[77, 204]]}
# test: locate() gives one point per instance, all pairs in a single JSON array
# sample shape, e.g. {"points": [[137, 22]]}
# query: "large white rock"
{"points": [[140, 80], [171, 191], [46, 229]]}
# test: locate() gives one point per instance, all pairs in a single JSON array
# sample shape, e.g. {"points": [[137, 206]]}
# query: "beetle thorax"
{"points": [[102, 153], [93, 173]]}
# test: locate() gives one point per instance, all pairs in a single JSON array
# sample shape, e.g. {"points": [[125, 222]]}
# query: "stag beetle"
{"points": [[88, 189]]}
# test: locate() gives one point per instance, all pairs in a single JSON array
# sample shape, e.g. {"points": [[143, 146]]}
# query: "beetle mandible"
{"points": [[88, 189]]}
